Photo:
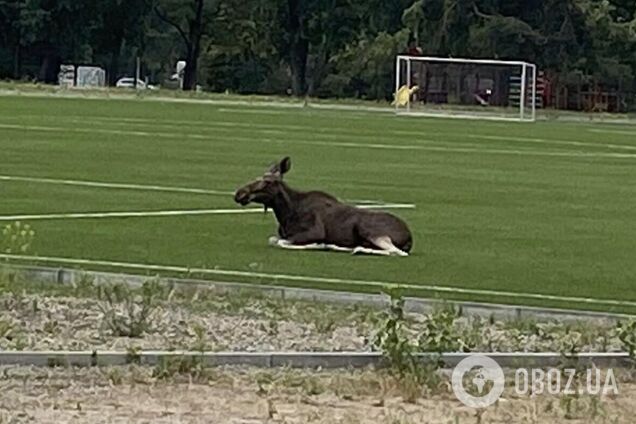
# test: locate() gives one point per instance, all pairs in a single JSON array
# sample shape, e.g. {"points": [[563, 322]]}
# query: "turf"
{"points": [[542, 208]]}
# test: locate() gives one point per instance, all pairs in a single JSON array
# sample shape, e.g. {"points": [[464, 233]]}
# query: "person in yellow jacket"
{"points": [[403, 95]]}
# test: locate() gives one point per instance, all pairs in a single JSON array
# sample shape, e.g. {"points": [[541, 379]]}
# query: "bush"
{"points": [[128, 313]]}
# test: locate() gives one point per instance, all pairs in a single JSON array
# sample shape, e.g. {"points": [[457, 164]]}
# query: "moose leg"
{"points": [[286, 244], [305, 240], [385, 243], [369, 251], [337, 248]]}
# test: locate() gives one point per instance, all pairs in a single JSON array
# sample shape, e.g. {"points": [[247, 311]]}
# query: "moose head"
{"points": [[265, 189]]}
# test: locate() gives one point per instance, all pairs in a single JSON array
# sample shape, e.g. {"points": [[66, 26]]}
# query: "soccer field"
{"points": [[537, 214]]}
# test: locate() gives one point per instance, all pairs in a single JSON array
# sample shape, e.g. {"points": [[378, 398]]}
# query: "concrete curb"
{"points": [[412, 304], [326, 360]]}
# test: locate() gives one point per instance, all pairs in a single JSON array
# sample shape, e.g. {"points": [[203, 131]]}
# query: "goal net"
{"points": [[466, 88]]}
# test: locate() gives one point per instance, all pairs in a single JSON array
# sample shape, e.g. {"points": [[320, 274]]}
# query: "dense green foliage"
{"points": [[315, 47]]}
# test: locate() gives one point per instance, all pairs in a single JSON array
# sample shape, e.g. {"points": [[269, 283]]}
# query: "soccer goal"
{"points": [[466, 88]]}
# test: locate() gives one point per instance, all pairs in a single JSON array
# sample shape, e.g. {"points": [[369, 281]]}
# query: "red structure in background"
{"points": [[583, 93]]}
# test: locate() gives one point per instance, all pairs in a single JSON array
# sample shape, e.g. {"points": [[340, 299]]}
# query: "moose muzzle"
{"points": [[242, 196]]}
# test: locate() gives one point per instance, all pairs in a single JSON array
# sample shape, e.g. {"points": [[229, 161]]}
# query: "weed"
{"points": [[13, 334], [54, 362], [570, 341], [568, 346], [626, 332], [133, 356], [313, 386], [51, 326], [576, 407], [201, 343], [20, 342], [264, 381], [272, 327], [597, 409], [17, 238], [169, 367], [128, 313], [115, 376], [238, 301], [6, 329], [440, 333], [393, 341], [410, 388], [567, 404], [324, 323], [84, 287]]}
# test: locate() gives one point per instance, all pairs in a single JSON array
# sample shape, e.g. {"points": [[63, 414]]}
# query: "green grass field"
{"points": [[520, 209]]}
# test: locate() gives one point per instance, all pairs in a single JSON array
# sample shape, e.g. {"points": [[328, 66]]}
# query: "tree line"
{"points": [[331, 48]]}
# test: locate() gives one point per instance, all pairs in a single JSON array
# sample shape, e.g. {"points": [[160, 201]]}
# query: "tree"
{"points": [[298, 44], [22, 24], [190, 19], [120, 22]]}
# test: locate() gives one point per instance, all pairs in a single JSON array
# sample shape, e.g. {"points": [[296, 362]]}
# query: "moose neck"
{"points": [[284, 204]]}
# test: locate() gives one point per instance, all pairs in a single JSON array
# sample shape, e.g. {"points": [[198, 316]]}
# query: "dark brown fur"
{"points": [[317, 217]]}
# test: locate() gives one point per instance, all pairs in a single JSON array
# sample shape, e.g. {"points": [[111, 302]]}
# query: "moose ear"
{"points": [[284, 165]]}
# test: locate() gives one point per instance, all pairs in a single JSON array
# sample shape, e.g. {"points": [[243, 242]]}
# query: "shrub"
{"points": [[128, 313]]}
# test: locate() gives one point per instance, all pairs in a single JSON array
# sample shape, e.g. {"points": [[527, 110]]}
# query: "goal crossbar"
{"points": [[464, 60]]}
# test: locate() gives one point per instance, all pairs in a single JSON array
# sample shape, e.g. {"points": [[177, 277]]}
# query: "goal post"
{"points": [[465, 88]]}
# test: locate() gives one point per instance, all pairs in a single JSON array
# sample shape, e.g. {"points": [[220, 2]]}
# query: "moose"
{"points": [[317, 220]]}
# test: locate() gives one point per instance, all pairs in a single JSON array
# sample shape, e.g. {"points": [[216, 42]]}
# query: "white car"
{"points": [[129, 82]]}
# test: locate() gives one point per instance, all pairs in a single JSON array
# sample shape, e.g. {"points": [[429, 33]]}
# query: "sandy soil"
{"points": [[250, 396]]}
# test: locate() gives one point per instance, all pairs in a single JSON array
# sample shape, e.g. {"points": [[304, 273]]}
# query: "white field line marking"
{"points": [[259, 106], [411, 147], [280, 129], [142, 187], [386, 206], [253, 111], [322, 280], [125, 186], [461, 149], [178, 212], [125, 214], [231, 127], [173, 136], [180, 123], [547, 141], [341, 133], [595, 130]]}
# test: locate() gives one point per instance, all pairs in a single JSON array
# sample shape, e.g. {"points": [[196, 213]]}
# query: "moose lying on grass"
{"points": [[317, 220]]}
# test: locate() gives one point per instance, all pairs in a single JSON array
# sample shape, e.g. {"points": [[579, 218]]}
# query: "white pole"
{"points": [[534, 92], [408, 81], [522, 94], [397, 80], [137, 72], [463, 60]]}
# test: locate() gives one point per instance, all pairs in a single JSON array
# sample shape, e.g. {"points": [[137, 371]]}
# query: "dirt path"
{"points": [[250, 396]]}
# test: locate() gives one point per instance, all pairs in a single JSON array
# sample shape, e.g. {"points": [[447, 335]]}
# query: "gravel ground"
{"points": [[80, 319], [79, 324], [245, 323], [250, 396]]}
